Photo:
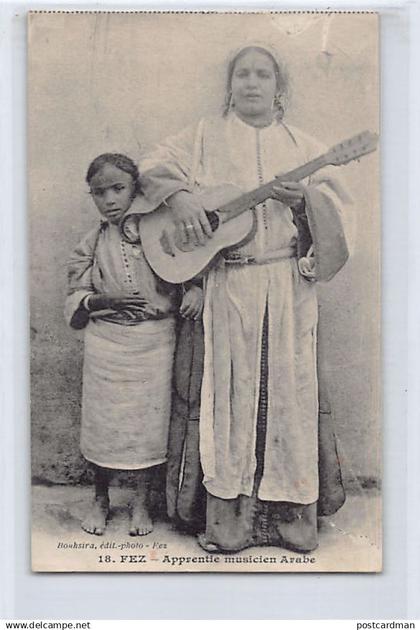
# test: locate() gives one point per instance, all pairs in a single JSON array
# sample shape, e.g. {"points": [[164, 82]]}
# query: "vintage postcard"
{"points": [[205, 291]]}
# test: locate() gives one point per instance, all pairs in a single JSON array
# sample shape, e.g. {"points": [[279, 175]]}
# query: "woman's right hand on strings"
{"points": [[190, 217], [103, 301]]}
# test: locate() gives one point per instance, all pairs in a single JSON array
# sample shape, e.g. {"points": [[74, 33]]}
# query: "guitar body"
{"points": [[173, 256], [183, 260]]}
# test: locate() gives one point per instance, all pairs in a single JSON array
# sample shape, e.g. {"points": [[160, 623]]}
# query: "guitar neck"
{"points": [[251, 199]]}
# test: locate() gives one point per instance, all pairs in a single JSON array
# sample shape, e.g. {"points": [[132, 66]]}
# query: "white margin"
{"points": [[394, 594]]}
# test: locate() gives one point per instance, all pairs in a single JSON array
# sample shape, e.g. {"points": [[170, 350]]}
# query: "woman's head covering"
{"points": [[252, 45], [282, 79]]}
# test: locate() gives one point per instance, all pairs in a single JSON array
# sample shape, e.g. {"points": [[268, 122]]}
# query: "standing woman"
{"points": [[260, 443]]}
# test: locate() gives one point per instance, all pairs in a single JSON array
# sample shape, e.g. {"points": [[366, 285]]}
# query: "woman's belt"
{"points": [[233, 258]]}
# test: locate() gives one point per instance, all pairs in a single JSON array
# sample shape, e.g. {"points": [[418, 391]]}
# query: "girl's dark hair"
{"points": [[118, 160], [282, 80]]}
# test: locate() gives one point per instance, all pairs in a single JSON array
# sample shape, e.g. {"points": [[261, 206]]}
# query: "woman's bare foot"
{"points": [[206, 545], [141, 523], [96, 518]]}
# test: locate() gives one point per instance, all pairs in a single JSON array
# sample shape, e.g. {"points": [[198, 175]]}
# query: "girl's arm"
{"points": [[192, 301], [106, 302], [79, 277]]}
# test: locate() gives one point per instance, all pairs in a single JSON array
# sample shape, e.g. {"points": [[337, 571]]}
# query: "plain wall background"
{"points": [[121, 82]]}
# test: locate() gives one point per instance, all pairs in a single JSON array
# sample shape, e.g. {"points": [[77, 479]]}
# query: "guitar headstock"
{"points": [[353, 148]]}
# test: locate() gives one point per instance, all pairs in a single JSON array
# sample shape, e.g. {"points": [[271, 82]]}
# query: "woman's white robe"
{"points": [[237, 296]]}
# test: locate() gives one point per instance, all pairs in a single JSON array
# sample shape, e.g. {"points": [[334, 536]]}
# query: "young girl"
{"points": [[129, 345]]}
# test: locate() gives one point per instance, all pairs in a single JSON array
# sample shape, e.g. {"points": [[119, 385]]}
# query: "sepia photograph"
{"points": [[205, 242]]}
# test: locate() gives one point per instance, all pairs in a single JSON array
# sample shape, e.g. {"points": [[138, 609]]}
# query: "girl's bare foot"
{"points": [[141, 523], [96, 518]]}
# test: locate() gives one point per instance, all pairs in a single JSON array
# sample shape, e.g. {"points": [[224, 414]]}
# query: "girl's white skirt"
{"points": [[126, 402]]}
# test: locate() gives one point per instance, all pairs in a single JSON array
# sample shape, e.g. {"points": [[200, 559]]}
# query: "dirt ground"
{"points": [[348, 540]]}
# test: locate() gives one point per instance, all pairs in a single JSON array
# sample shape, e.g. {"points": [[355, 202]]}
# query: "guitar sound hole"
{"points": [[214, 221]]}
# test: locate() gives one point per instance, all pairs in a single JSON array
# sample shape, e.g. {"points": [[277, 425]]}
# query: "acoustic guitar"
{"points": [[231, 215]]}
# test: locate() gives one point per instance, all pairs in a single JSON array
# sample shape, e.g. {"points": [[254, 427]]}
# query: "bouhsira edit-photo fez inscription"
{"points": [[205, 302]]}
